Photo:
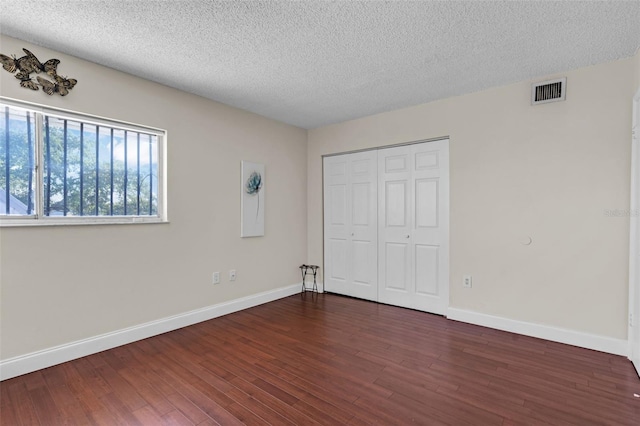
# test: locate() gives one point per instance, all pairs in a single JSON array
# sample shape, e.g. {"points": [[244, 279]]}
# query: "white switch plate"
{"points": [[216, 277], [232, 275], [466, 281]]}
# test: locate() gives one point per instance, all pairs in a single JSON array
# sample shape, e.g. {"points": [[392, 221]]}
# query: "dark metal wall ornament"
{"points": [[29, 64]]}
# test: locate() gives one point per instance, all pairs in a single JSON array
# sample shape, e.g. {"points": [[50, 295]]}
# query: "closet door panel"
{"points": [[362, 262], [426, 269], [394, 226], [336, 226], [396, 258], [350, 218], [413, 192], [338, 260], [426, 192], [430, 237], [363, 223]]}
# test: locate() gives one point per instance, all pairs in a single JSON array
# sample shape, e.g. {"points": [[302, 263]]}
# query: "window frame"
{"points": [[38, 218]]}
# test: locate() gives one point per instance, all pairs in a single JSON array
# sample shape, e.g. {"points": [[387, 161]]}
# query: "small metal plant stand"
{"points": [[312, 269]]}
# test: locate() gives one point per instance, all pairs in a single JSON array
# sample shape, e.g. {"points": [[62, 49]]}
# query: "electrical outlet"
{"points": [[232, 275], [466, 281], [216, 277]]}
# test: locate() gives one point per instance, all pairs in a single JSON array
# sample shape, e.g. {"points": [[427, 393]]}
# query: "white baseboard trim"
{"points": [[24, 364], [555, 334]]}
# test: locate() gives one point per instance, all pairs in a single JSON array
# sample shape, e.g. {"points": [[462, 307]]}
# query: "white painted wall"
{"points": [[549, 172], [62, 284]]}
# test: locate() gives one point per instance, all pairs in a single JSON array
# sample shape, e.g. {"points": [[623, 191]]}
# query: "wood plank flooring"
{"points": [[330, 360]]}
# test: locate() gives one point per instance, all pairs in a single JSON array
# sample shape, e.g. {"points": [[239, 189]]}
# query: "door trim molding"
{"points": [[376, 148], [555, 334], [634, 237]]}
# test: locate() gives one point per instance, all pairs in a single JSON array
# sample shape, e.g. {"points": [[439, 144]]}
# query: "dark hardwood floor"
{"points": [[330, 360]]}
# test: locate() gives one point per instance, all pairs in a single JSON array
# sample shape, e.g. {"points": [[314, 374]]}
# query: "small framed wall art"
{"points": [[253, 200]]}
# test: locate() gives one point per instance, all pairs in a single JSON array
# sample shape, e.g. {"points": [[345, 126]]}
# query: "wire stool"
{"points": [[312, 269]]}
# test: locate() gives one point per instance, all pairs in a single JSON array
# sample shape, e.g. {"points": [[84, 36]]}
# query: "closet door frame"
{"points": [[445, 273], [634, 231]]}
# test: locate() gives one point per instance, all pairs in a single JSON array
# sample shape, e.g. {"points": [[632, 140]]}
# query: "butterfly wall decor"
{"points": [[29, 64]]}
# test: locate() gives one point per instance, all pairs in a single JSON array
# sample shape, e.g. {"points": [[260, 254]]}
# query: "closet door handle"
{"points": [[408, 236]]}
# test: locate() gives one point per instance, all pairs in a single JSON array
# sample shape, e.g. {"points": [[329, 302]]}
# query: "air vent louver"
{"points": [[549, 91]]}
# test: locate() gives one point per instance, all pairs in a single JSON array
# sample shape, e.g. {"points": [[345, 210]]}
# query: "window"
{"points": [[63, 168]]}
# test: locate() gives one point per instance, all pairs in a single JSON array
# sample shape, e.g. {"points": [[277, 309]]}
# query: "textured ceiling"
{"points": [[315, 63]]}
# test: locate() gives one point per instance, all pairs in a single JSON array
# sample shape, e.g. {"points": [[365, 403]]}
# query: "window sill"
{"points": [[76, 221]]}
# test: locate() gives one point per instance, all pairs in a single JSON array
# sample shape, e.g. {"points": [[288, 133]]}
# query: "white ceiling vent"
{"points": [[549, 91]]}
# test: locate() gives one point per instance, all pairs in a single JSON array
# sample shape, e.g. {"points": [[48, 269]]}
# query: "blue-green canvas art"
{"points": [[253, 205]]}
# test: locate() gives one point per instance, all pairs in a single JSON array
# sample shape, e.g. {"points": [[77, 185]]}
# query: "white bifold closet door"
{"points": [[350, 225], [413, 227], [386, 229]]}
